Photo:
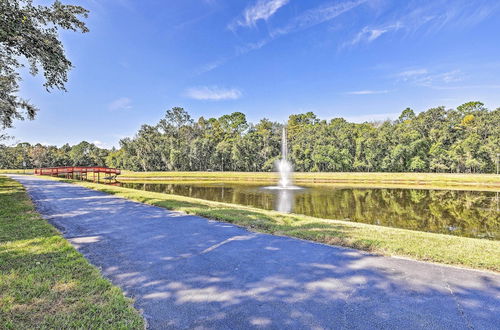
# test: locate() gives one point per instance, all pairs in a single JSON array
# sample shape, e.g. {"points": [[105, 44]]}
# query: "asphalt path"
{"points": [[188, 272]]}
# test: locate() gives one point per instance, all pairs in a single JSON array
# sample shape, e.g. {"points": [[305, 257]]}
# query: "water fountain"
{"points": [[284, 166], [285, 198]]}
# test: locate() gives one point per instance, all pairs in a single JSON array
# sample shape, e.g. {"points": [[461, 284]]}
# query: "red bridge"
{"points": [[79, 172]]}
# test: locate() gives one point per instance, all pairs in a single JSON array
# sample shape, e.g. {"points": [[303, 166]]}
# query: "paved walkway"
{"points": [[189, 272]]}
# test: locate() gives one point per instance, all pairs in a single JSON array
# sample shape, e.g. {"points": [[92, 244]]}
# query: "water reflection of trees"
{"points": [[464, 213], [461, 213]]}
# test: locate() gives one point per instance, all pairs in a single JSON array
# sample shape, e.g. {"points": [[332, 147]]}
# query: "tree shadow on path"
{"points": [[190, 272]]}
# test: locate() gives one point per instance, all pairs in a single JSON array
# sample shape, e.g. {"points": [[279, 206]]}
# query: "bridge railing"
{"points": [[75, 170]]}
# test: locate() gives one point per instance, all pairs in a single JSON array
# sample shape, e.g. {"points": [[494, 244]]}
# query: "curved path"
{"points": [[189, 272]]}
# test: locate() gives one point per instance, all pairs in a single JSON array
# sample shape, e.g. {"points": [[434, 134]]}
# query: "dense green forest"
{"points": [[465, 140]]}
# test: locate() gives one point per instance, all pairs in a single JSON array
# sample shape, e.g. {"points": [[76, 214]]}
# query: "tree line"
{"points": [[461, 140], [26, 155]]}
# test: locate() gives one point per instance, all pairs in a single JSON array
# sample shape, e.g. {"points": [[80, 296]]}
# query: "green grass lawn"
{"points": [[447, 249], [44, 281], [414, 180], [387, 180], [10, 171]]}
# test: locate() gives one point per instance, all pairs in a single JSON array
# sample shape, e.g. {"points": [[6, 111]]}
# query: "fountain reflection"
{"points": [[461, 213], [285, 200]]}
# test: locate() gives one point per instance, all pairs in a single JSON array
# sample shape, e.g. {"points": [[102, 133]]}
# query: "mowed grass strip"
{"points": [[447, 249], [45, 282], [438, 180], [16, 171], [490, 182]]}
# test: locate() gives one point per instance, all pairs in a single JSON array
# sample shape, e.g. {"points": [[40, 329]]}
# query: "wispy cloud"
{"points": [[211, 66], [374, 117], [307, 19], [101, 144], [463, 13], [487, 86], [408, 74], [251, 46], [446, 77], [423, 77], [315, 16], [369, 34], [213, 93], [122, 103], [261, 10], [432, 16], [368, 92], [413, 17]]}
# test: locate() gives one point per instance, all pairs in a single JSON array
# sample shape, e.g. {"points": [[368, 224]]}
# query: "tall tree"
{"points": [[30, 32], [466, 139]]}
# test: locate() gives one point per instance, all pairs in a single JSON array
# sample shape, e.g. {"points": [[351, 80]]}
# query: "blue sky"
{"points": [[358, 59]]}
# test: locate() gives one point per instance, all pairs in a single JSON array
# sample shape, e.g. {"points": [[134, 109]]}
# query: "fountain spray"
{"points": [[284, 166]]}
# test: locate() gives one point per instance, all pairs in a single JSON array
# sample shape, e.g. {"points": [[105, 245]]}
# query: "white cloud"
{"points": [[448, 77], [430, 17], [261, 10], [368, 92], [306, 20], [301, 22], [213, 93], [252, 46], [211, 66], [316, 16], [369, 34], [373, 117], [412, 73], [374, 34], [491, 86], [424, 77], [100, 144], [123, 103]]}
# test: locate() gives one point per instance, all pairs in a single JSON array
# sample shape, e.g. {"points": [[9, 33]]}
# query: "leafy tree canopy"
{"points": [[29, 34], [464, 140]]}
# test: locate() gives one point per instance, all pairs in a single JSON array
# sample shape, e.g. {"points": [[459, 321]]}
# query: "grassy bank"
{"points": [[428, 180], [338, 185], [405, 180], [44, 281], [453, 250], [27, 171]]}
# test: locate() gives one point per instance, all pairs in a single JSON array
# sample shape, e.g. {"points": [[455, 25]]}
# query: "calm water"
{"points": [[463, 213]]}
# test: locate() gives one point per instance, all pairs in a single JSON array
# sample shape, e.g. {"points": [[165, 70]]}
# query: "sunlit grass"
{"points": [[16, 171], [413, 180], [453, 250], [490, 182], [44, 281]]}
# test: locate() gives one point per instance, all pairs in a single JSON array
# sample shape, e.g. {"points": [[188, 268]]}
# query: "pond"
{"points": [[462, 213]]}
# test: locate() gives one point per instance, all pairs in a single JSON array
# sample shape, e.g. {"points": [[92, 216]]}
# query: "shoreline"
{"points": [[474, 253]]}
